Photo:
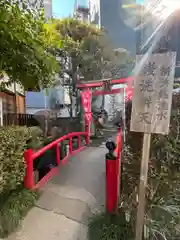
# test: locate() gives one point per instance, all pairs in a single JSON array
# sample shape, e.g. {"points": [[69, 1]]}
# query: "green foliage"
{"points": [[14, 141], [35, 138], [14, 200], [24, 43], [176, 85], [14, 209], [109, 227], [87, 46], [83, 50], [163, 195]]}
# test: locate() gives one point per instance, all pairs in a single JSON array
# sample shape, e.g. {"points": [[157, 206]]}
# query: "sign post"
{"points": [[1, 113], [151, 109]]}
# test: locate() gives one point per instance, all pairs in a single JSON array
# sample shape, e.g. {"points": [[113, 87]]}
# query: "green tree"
{"points": [[24, 55], [84, 51]]}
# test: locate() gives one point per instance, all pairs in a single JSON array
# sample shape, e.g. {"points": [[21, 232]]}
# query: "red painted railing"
{"points": [[30, 156], [113, 177]]}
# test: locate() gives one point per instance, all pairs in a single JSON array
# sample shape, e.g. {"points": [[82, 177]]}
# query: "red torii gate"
{"points": [[106, 83], [103, 82]]}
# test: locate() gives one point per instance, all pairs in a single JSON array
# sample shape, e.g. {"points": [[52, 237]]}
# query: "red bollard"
{"points": [[29, 177], [118, 154], [112, 180]]}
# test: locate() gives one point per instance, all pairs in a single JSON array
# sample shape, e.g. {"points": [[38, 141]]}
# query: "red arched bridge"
{"points": [[37, 160], [47, 160]]}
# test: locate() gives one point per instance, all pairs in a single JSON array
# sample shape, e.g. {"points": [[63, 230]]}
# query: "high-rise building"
{"points": [[48, 9], [110, 15], [82, 13]]}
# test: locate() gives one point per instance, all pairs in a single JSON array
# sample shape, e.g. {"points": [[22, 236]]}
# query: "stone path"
{"points": [[68, 200]]}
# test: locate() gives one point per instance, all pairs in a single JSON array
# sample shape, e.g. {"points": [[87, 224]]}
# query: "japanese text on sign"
{"points": [[152, 99]]}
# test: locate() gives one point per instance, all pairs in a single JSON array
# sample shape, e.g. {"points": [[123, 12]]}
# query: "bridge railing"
{"points": [[30, 157]]}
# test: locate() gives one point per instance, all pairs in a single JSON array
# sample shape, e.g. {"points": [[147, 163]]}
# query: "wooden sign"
{"points": [[151, 109], [151, 104]]}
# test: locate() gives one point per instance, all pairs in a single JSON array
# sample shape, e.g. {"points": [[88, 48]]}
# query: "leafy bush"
{"points": [[25, 37], [14, 209], [35, 138], [15, 201], [14, 141], [104, 226], [163, 194]]}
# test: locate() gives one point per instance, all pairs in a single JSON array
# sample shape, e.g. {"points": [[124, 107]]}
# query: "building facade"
{"points": [[12, 101], [165, 38], [111, 16], [48, 8]]}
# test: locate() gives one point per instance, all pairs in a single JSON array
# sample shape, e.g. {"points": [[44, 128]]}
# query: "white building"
{"points": [[48, 9], [94, 6]]}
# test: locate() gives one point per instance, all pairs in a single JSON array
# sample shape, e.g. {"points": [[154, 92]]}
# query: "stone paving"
{"points": [[68, 200]]}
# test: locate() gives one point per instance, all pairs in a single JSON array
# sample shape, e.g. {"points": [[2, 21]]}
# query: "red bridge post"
{"points": [[29, 177], [58, 154], [112, 186], [117, 151]]}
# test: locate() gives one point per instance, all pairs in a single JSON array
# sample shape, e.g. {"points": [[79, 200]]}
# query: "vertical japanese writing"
{"points": [[148, 101], [152, 98], [146, 85], [163, 94], [144, 117], [147, 89], [149, 68]]}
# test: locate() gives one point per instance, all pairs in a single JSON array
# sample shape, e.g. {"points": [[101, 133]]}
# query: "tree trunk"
{"points": [[74, 80]]}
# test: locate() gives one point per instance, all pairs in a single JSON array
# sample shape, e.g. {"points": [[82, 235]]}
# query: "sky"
{"points": [[62, 8]]}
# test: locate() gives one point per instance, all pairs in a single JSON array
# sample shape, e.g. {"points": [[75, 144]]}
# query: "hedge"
{"points": [[14, 141], [14, 200]]}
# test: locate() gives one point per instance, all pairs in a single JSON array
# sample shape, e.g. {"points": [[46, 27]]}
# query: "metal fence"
{"points": [[20, 119]]}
